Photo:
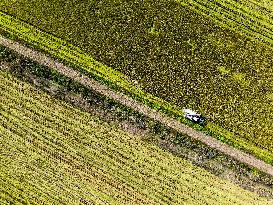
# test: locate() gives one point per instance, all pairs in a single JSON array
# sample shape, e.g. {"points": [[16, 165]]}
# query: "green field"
{"points": [[174, 53], [53, 153]]}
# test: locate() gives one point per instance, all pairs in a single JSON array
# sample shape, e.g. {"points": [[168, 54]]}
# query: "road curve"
{"points": [[45, 60]]}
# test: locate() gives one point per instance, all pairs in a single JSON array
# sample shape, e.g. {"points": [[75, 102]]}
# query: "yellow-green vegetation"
{"points": [[154, 29], [223, 70], [54, 153], [177, 55]]}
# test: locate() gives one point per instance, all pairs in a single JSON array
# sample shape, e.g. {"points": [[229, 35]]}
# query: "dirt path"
{"points": [[125, 100]]}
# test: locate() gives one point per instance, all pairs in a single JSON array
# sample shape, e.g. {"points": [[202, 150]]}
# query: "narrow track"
{"points": [[45, 60]]}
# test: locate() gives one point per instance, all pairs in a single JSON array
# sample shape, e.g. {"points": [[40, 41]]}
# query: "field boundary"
{"points": [[135, 105]]}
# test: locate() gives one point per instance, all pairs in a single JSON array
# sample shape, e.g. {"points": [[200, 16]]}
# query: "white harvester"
{"points": [[194, 117]]}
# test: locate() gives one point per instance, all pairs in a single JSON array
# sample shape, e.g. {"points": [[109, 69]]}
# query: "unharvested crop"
{"points": [[52, 153], [249, 17]]}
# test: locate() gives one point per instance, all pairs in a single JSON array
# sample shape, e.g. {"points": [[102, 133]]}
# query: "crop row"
{"points": [[109, 147], [48, 183], [98, 175]]}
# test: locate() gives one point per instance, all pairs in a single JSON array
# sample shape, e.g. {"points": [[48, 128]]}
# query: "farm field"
{"points": [[250, 17], [52, 152], [174, 53]]}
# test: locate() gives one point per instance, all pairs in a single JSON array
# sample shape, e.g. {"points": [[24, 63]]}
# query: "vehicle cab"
{"points": [[194, 117]]}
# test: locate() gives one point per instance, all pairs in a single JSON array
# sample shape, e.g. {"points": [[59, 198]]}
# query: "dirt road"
{"points": [[125, 100]]}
